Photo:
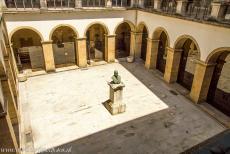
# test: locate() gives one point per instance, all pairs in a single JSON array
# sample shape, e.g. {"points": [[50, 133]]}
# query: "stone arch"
{"points": [[25, 27], [141, 25], [161, 38], [157, 33], [212, 57], [218, 92], [62, 25], [186, 52], [106, 29], [63, 40], [96, 41], [142, 34], [123, 39], [181, 40], [131, 25], [27, 47]]}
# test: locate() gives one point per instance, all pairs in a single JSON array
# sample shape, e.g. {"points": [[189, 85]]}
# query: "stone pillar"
{"points": [[7, 92], [133, 3], [108, 3], [81, 52], [7, 135], [172, 64], [218, 10], [132, 43], [2, 5], [141, 3], [181, 6], [43, 4], [48, 55], [78, 4], [135, 44], [110, 48], [157, 4], [202, 79], [151, 55]]}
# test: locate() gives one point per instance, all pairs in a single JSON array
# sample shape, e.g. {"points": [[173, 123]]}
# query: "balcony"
{"points": [[60, 3], [205, 10], [63, 4]]}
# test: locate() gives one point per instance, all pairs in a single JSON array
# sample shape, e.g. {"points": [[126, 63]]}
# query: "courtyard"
{"points": [[65, 110]]}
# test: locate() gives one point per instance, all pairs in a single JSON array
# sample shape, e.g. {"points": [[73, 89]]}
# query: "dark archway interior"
{"points": [[162, 52], [219, 89], [64, 46], [122, 40], [96, 43], [28, 50], [187, 66], [144, 43]]}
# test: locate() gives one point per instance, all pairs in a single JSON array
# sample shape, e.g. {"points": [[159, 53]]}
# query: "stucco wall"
{"points": [[208, 37], [80, 21]]}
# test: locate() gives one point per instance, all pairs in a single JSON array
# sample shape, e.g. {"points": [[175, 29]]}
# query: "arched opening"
{"points": [[189, 55], [64, 46], [161, 35], [219, 89], [28, 50], [122, 47], [96, 43], [143, 40]]}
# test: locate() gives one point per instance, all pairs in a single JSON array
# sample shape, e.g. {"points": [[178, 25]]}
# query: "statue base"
{"points": [[114, 108], [115, 105]]}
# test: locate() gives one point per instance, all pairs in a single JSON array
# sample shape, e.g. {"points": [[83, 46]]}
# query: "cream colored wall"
{"points": [[80, 21], [208, 37]]}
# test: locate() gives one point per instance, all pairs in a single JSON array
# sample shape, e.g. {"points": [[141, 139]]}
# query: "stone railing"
{"points": [[208, 10], [57, 4]]}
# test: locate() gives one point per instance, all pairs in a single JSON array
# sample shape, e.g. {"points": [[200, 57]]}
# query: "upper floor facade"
{"points": [[211, 11]]}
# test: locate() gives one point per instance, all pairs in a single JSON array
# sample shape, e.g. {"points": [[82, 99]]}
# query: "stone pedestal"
{"points": [[43, 4], [181, 6], [157, 4], [78, 4], [108, 3], [141, 3], [218, 10], [115, 105], [2, 5]]}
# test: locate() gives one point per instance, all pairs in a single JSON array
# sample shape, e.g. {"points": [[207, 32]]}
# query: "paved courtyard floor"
{"points": [[65, 109]]}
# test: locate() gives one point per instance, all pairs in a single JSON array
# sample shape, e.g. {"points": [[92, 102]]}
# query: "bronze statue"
{"points": [[116, 79]]}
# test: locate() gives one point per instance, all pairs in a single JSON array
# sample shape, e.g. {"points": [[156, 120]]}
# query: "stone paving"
{"points": [[66, 110]]}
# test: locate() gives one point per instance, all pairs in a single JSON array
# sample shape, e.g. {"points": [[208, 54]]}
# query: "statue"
{"points": [[116, 79], [115, 104]]}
